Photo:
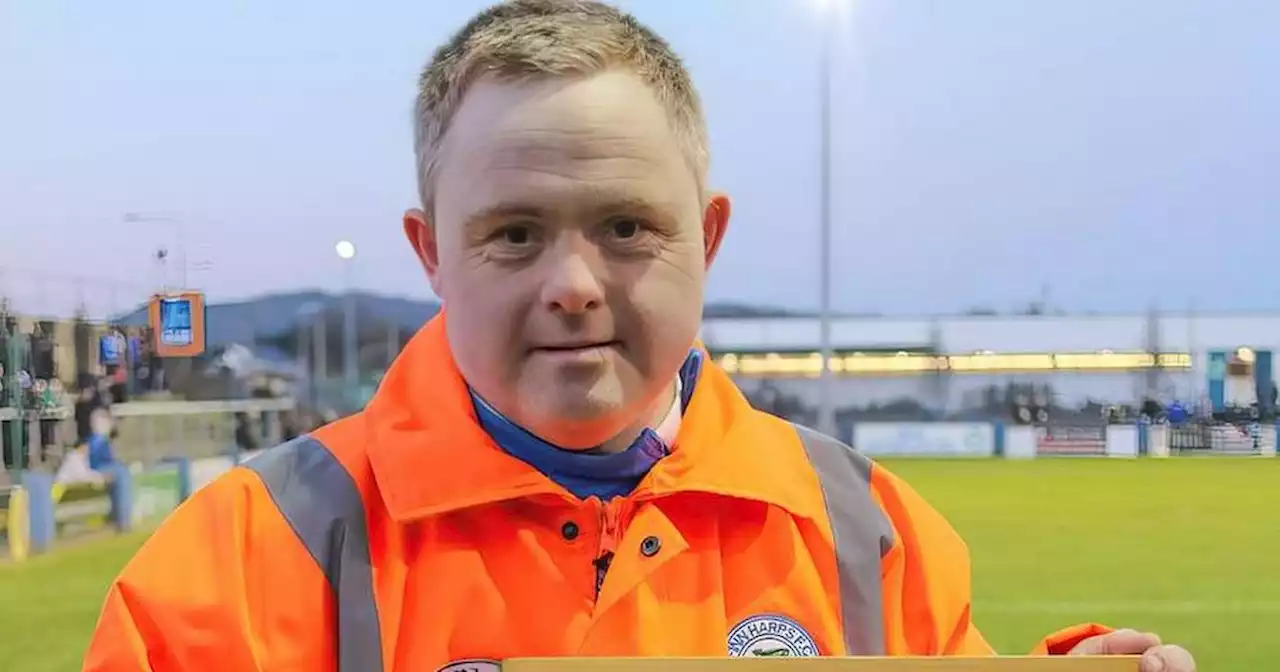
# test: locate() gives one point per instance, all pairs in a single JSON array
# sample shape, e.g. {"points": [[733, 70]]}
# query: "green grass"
{"points": [[1189, 548], [49, 604]]}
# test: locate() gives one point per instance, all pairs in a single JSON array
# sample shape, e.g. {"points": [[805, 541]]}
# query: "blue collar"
{"points": [[587, 474]]}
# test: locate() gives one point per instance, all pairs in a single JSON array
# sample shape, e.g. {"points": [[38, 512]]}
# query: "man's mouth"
{"points": [[582, 347]]}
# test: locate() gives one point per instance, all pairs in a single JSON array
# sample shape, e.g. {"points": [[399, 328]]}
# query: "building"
{"points": [[50, 349], [957, 365], [899, 367]]}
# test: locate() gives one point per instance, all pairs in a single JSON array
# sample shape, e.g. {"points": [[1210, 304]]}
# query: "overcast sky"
{"points": [[1113, 152]]}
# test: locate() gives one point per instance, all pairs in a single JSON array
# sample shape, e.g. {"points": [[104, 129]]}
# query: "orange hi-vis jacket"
{"points": [[403, 539]]}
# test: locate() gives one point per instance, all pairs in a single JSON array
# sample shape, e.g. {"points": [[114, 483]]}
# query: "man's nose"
{"points": [[573, 284]]}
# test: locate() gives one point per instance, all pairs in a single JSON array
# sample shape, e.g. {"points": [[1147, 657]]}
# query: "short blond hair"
{"points": [[530, 38]]}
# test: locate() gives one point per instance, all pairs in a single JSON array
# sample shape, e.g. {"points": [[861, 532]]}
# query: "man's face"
{"points": [[570, 243]]}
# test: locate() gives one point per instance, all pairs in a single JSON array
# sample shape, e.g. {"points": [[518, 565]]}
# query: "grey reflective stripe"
{"points": [[862, 536], [321, 502]]}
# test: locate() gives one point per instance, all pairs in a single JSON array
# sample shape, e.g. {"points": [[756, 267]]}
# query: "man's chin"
{"points": [[577, 429]]}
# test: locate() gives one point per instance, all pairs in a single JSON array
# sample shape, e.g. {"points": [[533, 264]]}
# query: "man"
{"points": [[99, 453], [552, 467], [74, 468]]}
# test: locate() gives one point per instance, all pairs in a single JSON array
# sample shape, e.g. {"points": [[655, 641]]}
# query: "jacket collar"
{"points": [[430, 455]]}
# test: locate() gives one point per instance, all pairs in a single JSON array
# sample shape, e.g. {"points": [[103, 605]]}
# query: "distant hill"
{"points": [[270, 317], [726, 310]]}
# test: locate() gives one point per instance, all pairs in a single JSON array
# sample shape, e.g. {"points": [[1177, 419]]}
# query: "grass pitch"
{"points": [[1189, 548], [49, 604]]}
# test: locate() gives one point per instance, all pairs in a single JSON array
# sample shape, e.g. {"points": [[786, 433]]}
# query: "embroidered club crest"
{"points": [[770, 635], [474, 665]]}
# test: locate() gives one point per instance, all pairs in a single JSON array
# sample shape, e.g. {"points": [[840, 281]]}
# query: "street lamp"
{"points": [[311, 364], [346, 251], [831, 11]]}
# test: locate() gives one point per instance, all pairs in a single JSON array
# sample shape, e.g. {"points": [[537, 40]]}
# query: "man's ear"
{"points": [[715, 221], [421, 234]]}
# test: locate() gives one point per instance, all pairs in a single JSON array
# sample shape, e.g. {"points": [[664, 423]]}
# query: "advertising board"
{"points": [[1081, 440], [156, 493], [925, 439], [178, 324]]}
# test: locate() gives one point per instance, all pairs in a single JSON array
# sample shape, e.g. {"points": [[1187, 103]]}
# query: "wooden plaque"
{"points": [[948, 664]]}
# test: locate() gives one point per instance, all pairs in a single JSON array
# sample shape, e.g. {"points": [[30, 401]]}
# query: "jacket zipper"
{"points": [[609, 524]]}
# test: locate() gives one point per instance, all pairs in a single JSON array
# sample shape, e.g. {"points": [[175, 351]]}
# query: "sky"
{"points": [[1108, 156]]}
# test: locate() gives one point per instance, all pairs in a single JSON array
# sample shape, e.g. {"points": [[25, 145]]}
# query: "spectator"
{"points": [[101, 456], [245, 438], [289, 426], [87, 402], [75, 467], [14, 456]]}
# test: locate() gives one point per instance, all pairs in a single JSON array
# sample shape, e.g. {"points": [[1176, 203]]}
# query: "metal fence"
{"points": [[147, 432], [1219, 437]]}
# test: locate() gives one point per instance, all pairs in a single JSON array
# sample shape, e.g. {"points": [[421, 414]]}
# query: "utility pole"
{"points": [[826, 405]]}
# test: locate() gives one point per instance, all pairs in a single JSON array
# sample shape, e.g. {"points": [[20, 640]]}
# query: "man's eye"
{"points": [[516, 235], [624, 229]]}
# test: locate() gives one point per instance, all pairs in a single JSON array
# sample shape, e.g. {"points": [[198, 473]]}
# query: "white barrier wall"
{"points": [[918, 439], [1267, 443], [982, 439], [925, 439], [1020, 442], [1158, 441], [1122, 440]]}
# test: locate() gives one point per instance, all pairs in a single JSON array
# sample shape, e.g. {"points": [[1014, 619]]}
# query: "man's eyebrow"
{"points": [[610, 206], [504, 211], [604, 205]]}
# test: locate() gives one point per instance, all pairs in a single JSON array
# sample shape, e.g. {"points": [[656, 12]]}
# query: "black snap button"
{"points": [[650, 546], [569, 530]]}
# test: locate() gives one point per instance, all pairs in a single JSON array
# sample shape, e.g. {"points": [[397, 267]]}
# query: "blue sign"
{"points": [[175, 322], [1263, 377], [111, 348], [1217, 372]]}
